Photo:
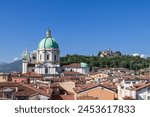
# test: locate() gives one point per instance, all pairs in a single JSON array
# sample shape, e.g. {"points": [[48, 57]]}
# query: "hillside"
{"points": [[2, 63], [126, 61], [10, 67]]}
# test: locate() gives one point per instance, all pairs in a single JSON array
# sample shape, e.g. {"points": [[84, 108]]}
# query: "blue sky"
{"points": [[79, 26]]}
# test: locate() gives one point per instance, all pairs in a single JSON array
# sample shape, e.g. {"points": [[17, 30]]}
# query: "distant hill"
{"points": [[10, 67], [2, 63]]}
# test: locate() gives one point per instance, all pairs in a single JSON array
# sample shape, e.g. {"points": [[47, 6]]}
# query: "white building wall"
{"points": [[122, 92], [51, 63], [86, 70], [80, 70], [24, 67], [133, 94], [129, 83], [40, 70]]}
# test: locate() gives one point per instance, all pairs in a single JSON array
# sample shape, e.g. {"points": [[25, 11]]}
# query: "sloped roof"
{"points": [[86, 87], [73, 65], [143, 86]]}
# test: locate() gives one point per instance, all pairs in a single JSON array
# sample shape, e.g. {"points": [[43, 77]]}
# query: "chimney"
{"points": [[47, 90], [37, 85], [16, 89], [28, 80], [49, 84]]}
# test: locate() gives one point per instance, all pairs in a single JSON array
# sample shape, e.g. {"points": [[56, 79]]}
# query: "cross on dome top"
{"points": [[48, 34]]}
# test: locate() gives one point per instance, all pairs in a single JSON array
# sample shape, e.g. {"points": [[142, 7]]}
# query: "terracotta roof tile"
{"points": [[26, 89], [87, 98], [32, 74], [22, 90], [85, 87], [73, 65], [128, 98], [143, 86], [71, 73]]}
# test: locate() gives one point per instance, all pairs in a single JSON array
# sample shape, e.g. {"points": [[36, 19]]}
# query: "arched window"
{"points": [[34, 57]]}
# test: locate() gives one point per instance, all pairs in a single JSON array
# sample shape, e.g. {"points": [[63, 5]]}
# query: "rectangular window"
{"points": [[127, 82], [133, 82], [148, 98], [40, 57], [46, 71], [47, 57], [148, 89], [144, 97], [55, 57]]}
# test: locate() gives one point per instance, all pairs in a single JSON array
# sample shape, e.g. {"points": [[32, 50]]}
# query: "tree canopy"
{"points": [[124, 61]]}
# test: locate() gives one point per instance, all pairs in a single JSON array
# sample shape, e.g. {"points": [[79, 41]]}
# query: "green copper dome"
{"points": [[26, 55], [48, 42]]}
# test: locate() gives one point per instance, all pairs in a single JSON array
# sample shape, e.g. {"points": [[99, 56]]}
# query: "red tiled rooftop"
{"points": [[128, 98], [85, 87], [109, 85], [9, 84], [71, 73], [22, 90], [145, 78], [54, 85], [94, 73], [32, 74], [74, 65], [25, 89], [138, 85], [87, 98]]}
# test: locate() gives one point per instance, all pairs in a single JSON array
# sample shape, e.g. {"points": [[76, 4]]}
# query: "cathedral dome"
{"points": [[48, 42]]}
